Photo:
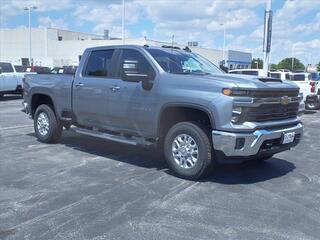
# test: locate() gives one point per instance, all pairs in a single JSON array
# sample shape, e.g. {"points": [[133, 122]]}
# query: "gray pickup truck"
{"points": [[169, 98]]}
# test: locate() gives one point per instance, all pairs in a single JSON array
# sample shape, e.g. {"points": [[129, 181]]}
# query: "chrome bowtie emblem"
{"points": [[285, 100]]}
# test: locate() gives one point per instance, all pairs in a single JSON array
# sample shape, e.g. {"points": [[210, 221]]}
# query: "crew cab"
{"points": [[171, 99], [10, 79]]}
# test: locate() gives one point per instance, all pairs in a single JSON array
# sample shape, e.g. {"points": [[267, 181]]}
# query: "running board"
{"points": [[117, 138]]}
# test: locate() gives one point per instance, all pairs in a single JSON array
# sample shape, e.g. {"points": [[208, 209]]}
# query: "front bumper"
{"points": [[250, 144]]}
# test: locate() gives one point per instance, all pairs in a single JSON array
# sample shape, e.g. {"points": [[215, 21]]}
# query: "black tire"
{"points": [[312, 106], [200, 135], [54, 127]]}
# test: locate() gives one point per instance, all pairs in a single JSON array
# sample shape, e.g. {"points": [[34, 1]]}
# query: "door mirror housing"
{"points": [[130, 73]]}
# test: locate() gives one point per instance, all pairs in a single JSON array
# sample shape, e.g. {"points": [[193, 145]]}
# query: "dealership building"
{"points": [[55, 47]]}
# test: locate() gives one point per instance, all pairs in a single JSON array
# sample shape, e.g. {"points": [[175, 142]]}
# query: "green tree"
{"points": [[255, 61], [287, 64], [318, 67], [274, 66]]}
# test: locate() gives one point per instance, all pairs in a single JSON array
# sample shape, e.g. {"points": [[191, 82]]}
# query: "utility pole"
{"points": [[123, 21], [267, 37], [29, 9]]}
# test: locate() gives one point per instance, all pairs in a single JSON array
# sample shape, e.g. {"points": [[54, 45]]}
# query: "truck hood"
{"points": [[250, 82]]}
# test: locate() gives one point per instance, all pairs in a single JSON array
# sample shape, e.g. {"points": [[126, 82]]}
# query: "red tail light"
{"points": [[313, 87]]}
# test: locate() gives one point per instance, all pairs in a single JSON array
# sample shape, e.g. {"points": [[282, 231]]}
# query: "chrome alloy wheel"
{"points": [[43, 124], [185, 151]]}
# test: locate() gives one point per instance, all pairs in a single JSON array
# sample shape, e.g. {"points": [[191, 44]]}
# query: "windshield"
{"points": [[179, 62]]}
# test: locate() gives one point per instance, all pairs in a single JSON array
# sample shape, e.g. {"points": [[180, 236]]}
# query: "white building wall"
{"points": [[48, 51]]}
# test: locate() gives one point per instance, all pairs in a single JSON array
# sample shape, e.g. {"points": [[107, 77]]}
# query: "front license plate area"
{"points": [[288, 137]]}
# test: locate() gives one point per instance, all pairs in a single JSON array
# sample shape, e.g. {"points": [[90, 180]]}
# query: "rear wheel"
{"points": [[47, 128], [188, 150]]}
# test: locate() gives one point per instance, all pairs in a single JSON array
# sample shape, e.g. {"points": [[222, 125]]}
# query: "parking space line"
{"points": [[16, 127]]}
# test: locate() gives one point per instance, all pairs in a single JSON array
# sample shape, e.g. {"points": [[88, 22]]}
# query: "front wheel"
{"points": [[188, 150], [47, 128]]}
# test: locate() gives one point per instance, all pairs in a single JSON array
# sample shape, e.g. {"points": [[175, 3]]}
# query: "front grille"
{"points": [[268, 112], [267, 94]]}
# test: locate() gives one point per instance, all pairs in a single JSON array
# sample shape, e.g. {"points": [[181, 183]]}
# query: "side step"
{"points": [[117, 138]]}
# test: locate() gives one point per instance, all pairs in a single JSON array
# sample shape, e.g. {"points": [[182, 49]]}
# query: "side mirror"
{"points": [[0, 70], [130, 71]]}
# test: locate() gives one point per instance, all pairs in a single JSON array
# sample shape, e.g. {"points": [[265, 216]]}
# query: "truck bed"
{"points": [[57, 86]]}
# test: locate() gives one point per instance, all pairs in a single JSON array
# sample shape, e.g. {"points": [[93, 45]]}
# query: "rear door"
{"points": [[8, 77], [91, 89]]}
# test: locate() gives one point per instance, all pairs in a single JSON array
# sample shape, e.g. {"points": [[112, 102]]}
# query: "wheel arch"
{"points": [[184, 108]]}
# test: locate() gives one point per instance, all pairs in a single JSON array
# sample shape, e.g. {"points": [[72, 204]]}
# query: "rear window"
{"points": [[20, 68], [298, 77], [275, 75], [6, 67], [99, 63]]}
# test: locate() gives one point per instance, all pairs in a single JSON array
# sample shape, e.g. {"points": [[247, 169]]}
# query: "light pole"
{"points": [[29, 9], [292, 59], [267, 37], [224, 42], [123, 23]]}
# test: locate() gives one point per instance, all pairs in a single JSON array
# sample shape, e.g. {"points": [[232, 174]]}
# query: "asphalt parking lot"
{"points": [[87, 188]]}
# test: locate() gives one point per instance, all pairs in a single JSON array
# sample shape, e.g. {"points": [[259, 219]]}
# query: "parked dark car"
{"points": [[39, 69]]}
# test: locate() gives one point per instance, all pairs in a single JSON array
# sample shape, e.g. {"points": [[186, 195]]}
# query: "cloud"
{"points": [[52, 23]]}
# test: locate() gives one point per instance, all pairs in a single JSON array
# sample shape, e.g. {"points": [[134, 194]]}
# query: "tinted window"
{"points": [[255, 73], [6, 67], [99, 63], [298, 77], [20, 68], [144, 66], [275, 75]]}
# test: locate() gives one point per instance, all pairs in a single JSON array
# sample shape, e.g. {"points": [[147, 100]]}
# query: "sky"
{"points": [[296, 23]]}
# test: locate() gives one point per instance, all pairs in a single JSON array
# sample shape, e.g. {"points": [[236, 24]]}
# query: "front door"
{"points": [[131, 107], [91, 89]]}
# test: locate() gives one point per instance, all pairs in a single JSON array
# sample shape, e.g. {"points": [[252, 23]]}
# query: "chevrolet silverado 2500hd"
{"points": [[169, 98]]}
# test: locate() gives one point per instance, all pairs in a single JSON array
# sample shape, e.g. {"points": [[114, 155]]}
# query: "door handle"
{"points": [[115, 88], [78, 85]]}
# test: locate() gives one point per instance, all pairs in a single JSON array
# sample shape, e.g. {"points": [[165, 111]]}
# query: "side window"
{"points": [[6, 67], [144, 66], [99, 63]]}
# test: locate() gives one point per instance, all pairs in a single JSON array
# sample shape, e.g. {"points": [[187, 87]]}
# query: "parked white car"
{"points": [[10, 79], [309, 89], [280, 75], [254, 72]]}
